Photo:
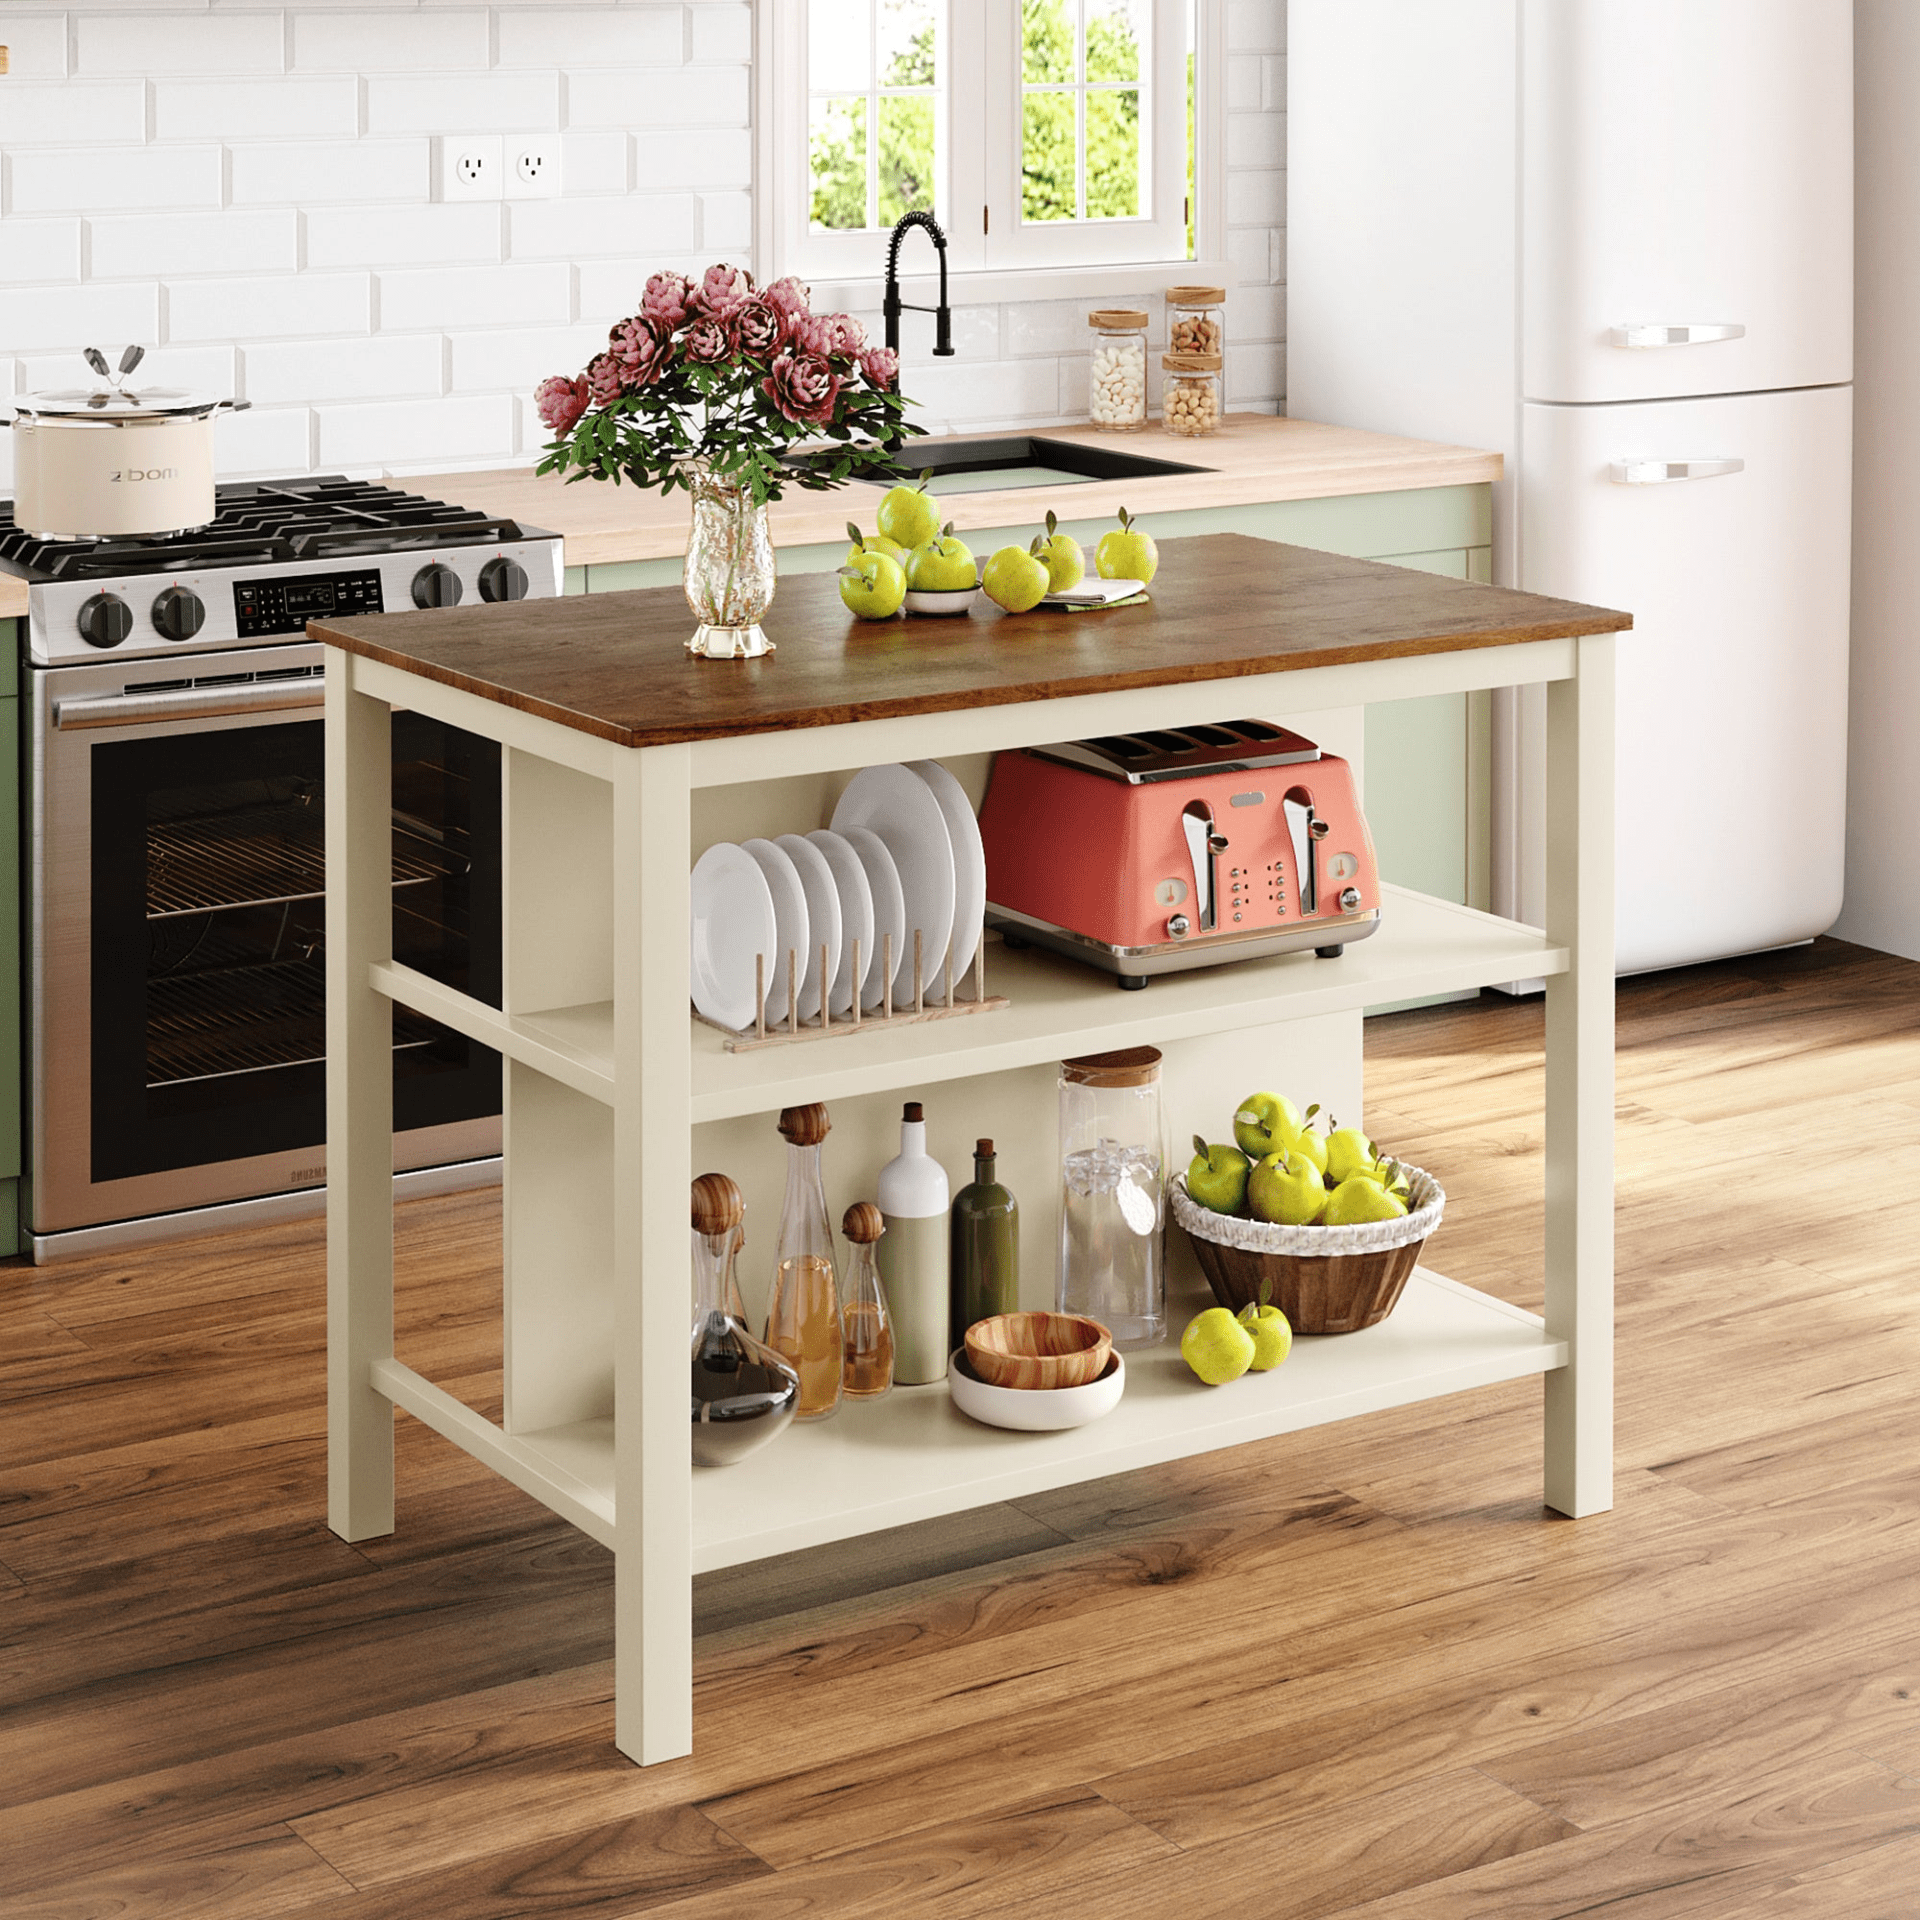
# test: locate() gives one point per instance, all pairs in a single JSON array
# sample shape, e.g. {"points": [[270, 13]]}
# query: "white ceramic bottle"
{"points": [[913, 1253]]}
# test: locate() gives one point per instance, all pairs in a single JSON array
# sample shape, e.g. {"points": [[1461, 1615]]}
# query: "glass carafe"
{"points": [[867, 1321], [743, 1392], [803, 1322], [1113, 1158]]}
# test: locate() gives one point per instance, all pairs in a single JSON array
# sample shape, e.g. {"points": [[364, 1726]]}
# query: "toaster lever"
{"points": [[1204, 847], [1303, 829]]}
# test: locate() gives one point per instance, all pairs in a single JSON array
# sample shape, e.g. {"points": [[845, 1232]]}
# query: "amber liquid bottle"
{"points": [[985, 1249], [867, 1319], [803, 1323]]}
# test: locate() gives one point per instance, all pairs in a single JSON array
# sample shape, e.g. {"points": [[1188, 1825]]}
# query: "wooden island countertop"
{"points": [[1224, 606]]}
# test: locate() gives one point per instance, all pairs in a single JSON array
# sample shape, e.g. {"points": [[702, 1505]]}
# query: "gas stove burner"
{"points": [[264, 523]]}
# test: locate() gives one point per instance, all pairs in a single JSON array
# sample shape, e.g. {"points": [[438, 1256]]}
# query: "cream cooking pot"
{"points": [[107, 462]]}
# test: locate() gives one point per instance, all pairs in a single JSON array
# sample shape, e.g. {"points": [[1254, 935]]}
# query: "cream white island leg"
{"points": [[653, 1168], [1579, 1110]]}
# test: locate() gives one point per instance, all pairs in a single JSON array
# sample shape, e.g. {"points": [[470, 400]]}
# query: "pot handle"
{"points": [[232, 406]]}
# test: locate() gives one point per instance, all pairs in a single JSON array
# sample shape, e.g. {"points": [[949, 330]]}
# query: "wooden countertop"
{"points": [[13, 597], [1224, 606], [1254, 457]]}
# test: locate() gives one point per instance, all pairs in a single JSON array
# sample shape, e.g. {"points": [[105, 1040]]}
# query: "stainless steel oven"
{"points": [[176, 920]]}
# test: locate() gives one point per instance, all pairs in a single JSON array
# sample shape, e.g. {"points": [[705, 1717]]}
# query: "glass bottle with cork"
{"points": [[804, 1326], [743, 1392], [985, 1253], [867, 1323], [913, 1257]]}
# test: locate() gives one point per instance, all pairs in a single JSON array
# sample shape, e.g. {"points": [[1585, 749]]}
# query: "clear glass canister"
{"points": [[1190, 392], [1117, 378], [1195, 320], [1113, 1159]]}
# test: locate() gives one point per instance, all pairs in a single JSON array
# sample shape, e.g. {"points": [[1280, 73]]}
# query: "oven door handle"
{"points": [[136, 709]]}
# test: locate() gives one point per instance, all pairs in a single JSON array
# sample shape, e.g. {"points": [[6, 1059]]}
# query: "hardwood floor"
{"points": [[1357, 1671]]}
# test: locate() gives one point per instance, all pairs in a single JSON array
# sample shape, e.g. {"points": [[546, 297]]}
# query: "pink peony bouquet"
{"points": [[743, 382]]}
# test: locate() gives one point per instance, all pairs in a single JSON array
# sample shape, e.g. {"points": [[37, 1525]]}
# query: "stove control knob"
{"points": [[436, 586], [105, 620], [179, 613], [503, 579]]}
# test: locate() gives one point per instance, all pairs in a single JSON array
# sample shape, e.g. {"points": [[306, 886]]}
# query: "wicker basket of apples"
{"points": [[1325, 1224]]}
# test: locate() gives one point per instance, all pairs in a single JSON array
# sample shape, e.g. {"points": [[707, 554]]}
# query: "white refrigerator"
{"points": [[1613, 239]]}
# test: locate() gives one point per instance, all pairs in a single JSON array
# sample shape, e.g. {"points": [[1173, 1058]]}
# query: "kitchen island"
{"points": [[623, 756]]}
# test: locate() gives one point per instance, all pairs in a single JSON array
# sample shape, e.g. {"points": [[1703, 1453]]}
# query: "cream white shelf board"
{"points": [[914, 1456], [1060, 1008], [573, 1045]]}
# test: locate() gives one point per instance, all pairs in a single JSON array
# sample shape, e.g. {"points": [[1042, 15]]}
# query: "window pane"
{"points": [[1047, 157], [1047, 30], [906, 43], [906, 155], [1113, 154], [1115, 31], [837, 143], [839, 45]]}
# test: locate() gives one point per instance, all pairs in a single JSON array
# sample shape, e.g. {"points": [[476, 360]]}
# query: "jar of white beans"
{"points": [[1194, 320], [1190, 392], [1117, 378]]}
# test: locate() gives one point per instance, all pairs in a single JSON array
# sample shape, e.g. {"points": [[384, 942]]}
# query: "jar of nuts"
{"points": [[1117, 387], [1190, 392], [1194, 320]]}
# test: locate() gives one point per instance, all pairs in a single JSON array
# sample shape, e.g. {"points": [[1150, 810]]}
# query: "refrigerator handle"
{"points": [[1653, 473], [1696, 334]]}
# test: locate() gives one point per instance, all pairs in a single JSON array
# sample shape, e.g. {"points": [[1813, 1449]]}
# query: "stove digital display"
{"points": [[262, 607]]}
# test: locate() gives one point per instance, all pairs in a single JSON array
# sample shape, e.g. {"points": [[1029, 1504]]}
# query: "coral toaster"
{"points": [[1153, 852]]}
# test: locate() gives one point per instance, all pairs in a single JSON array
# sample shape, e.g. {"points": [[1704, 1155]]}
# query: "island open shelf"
{"points": [[607, 731]]}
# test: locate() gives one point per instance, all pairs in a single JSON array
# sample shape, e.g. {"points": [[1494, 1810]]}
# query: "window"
{"points": [[1040, 133]]}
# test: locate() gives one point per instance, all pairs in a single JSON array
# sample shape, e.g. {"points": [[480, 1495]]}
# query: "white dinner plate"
{"points": [[789, 923], [889, 909], [969, 865], [732, 921], [823, 919], [856, 915], [899, 806]]}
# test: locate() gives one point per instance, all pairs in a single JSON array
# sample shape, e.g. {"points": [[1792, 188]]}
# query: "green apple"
{"points": [[1349, 1151], [1358, 1199], [1015, 580], [1310, 1144], [872, 543], [1265, 1123], [873, 585], [1126, 555], [1286, 1190], [1217, 1347], [1217, 1176], [1060, 554], [909, 515], [941, 564], [1272, 1336]]}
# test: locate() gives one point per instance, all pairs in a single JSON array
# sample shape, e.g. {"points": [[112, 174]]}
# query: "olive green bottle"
{"points": [[986, 1248]]}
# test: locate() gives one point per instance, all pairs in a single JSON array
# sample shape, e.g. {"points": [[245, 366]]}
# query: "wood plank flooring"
{"points": [[1354, 1672]]}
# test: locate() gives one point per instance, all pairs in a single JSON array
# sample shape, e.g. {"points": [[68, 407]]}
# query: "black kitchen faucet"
{"points": [[893, 306]]}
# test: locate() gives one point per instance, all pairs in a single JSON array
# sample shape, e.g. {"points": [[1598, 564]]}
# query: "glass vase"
{"points": [[743, 1392], [729, 577]]}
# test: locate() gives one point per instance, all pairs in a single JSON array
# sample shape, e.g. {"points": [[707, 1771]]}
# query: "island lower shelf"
{"points": [[915, 1456]]}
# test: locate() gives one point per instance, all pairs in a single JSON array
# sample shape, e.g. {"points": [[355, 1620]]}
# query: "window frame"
{"points": [[997, 253]]}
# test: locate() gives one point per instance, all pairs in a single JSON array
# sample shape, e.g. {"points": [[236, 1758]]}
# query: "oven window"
{"points": [[209, 962]]}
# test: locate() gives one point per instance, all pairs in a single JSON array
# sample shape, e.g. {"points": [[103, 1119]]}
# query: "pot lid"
{"points": [[114, 403]]}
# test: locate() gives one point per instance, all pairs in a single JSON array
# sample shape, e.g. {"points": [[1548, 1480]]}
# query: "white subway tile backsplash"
{"points": [[124, 246], [1249, 253], [373, 369], [1253, 194], [36, 44], [462, 103], [1255, 373], [519, 358], [102, 179], [595, 162], [726, 222], [404, 235], [550, 36], [1256, 139], [321, 171], [38, 250], [245, 109], [951, 393], [74, 317], [390, 40], [154, 42], [415, 432], [722, 31], [636, 223], [701, 97], [1244, 85], [1258, 26], [270, 306], [203, 369], [672, 160], [262, 443], [463, 296], [53, 113], [611, 289], [1257, 313]]}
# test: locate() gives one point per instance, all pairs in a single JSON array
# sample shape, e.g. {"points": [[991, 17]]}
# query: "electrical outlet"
{"points": [[533, 166], [468, 166]]}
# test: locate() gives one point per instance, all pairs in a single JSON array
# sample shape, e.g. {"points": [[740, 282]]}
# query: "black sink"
{"points": [[1026, 460]]}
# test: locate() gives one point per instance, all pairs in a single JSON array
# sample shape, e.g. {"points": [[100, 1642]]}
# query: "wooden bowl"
{"points": [[1036, 1351]]}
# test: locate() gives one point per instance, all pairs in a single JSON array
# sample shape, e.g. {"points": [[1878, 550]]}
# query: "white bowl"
{"points": [[1033, 1410], [941, 599]]}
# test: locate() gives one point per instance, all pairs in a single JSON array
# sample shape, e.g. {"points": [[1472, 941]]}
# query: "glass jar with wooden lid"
{"points": [[1196, 320], [1117, 378], [1190, 393], [1113, 1168]]}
